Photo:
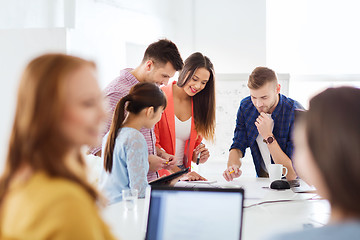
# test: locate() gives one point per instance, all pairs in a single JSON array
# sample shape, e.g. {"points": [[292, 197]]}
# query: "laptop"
{"points": [[195, 213]]}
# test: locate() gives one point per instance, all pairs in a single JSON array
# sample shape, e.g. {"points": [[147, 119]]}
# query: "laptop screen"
{"points": [[195, 213]]}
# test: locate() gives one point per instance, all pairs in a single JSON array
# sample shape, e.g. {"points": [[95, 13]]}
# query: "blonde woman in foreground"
{"points": [[44, 193]]}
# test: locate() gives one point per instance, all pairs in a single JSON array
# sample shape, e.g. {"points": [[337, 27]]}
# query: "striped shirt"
{"points": [[116, 90]]}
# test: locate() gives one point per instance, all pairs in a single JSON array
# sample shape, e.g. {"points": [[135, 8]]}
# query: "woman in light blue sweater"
{"points": [[327, 155]]}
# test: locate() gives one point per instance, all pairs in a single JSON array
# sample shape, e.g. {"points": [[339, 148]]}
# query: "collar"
{"points": [[129, 77], [278, 107]]}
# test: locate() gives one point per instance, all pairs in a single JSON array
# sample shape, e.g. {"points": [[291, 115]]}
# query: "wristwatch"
{"points": [[269, 140]]}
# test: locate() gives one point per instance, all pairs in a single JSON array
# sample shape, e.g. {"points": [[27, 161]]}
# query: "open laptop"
{"points": [[195, 213]]}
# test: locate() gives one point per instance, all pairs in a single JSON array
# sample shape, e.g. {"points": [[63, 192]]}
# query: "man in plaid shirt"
{"points": [[265, 122], [160, 62]]}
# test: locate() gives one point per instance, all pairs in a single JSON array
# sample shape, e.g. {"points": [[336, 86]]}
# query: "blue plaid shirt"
{"points": [[245, 133]]}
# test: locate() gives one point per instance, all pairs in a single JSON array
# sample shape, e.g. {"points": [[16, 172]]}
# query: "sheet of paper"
{"points": [[204, 182], [191, 184]]}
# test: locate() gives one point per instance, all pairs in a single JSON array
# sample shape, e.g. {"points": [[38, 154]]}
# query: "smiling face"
{"points": [[83, 109], [266, 97], [159, 73], [197, 82]]}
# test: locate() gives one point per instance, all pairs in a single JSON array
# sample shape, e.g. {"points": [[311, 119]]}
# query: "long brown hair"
{"points": [[141, 96], [204, 101], [35, 139], [333, 135]]}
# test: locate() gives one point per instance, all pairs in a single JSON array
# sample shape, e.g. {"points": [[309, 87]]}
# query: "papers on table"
{"points": [[304, 188], [192, 184], [254, 189], [204, 182]]}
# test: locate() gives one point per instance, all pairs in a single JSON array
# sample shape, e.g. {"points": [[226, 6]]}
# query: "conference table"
{"points": [[266, 211]]}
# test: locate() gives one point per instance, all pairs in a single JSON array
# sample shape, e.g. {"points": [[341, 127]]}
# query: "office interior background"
{"points": [[311, 44]]}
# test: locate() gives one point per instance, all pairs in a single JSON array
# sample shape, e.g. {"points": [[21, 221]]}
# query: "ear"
{"points": [[278, 87], [149, 65], [150, 112]]}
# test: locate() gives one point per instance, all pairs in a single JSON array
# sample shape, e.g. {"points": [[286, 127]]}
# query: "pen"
{"points": [[198, 158], [232, 172]]}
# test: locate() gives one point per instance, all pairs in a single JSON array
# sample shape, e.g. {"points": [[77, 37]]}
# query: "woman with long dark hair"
{"points": [[44, 193], [190, 115]]}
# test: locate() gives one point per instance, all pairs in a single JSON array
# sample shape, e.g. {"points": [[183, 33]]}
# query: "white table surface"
{"points": [[259, 221]]}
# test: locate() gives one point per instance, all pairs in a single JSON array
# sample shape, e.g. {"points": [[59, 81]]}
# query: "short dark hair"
{"points": [[164, 51], [260, 76]]}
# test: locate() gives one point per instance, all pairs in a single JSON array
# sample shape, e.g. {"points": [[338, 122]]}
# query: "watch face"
{"points": [[270, 139]]}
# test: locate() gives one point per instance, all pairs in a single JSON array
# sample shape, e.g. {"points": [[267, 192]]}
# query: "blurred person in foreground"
{"points": [[44, 193], [327, 155]]}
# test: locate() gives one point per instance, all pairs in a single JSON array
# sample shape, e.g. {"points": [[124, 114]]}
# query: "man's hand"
{"points": [[264, 124], [232, 172]]}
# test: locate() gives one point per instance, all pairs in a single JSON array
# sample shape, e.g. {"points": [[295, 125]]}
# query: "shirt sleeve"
{"points": [[198, 140], [138, 164], [157, 135], [111, 100], [240, 136], [290, 140]]}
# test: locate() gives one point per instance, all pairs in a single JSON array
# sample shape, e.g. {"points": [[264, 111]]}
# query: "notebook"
{"points": [[195, 213]]}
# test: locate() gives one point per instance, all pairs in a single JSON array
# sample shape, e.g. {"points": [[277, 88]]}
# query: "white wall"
{"points": [[103, 30], [35, 13], [232, 33], [27, 29], [17, 47], [114, 33], [316, 41], [90, 28], [314, 37]]}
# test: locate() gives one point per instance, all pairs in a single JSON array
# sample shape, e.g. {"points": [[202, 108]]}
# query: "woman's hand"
{"points": [[170, 160], [156, 163], [204, 153], [193, 176]]}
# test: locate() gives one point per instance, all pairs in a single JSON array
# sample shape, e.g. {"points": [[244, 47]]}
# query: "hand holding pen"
{"points": [[232, 172], [201, 154], [169, 162]]}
